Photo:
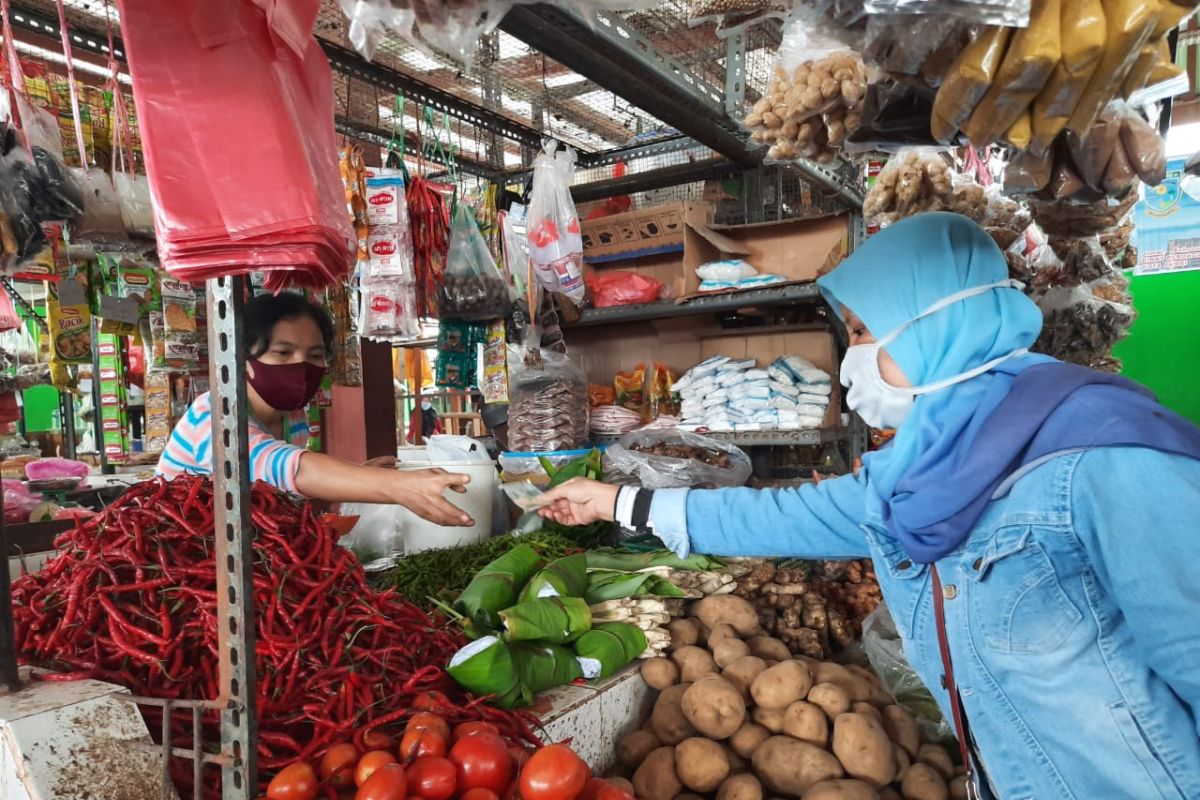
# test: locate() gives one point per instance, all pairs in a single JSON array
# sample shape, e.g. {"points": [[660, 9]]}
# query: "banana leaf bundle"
{"points": [[608, 647], [512, 673], [611, 558], [603, 585], [556, 620], [497, 586], [566, 577]]}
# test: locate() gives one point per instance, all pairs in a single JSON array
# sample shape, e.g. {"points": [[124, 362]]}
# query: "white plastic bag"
{"points": [[378, 536], [101, 222], [446, 448], [664, 472], [555, 241], [885, 650], [133, 200], [1013, 13]]}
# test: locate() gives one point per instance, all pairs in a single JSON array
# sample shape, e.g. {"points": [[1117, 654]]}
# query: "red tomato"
{"points": [[511, 792], [378, 739], [478, 793], [337, 767], [428, 721], [432, 778], [599, 789], [389, 782], [482, 761], [295, 782], [419, 743], [371, 762], [520, 756], [429, 701], [470, 728], [554, 773]]}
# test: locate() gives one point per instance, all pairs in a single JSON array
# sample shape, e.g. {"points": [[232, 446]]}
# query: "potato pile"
{"points": [[813, 615], [740, 719], [914, 181], [809, 112]]}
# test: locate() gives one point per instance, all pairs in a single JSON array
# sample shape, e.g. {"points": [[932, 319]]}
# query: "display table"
{"points": [[594, 716]]}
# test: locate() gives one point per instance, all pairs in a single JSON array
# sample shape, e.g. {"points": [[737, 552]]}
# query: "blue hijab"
{"points": [[960, 444]]}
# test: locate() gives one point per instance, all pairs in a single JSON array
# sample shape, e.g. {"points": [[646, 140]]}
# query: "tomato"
{"points": [[295, 782], [432, 778], [421, 743], [511, 792], [520, 756], [337, 767], [478, 793], [429, 701], [482, 761], [600, 789], [470, 728], [554, 773], [371, 762], [378, 739], [389, 782], [428, 721]]}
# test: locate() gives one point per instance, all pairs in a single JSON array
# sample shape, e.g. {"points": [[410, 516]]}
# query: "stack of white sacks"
{"points": [[724, 394]]}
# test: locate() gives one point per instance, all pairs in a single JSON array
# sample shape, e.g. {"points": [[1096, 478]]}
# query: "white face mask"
{"points": [[882, 405]]}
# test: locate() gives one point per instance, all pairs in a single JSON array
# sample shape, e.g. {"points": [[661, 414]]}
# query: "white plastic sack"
{"points": [[555, 240], [446, 448], [133, 199], [377, 536], [663, 472]]}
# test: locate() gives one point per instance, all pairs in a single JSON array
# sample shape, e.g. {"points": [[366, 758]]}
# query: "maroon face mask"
{"points": [[286, 387]]}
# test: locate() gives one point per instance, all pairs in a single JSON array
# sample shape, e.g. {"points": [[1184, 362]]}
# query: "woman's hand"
{"points": [[580, 502], [382, 462], [421, 493]]}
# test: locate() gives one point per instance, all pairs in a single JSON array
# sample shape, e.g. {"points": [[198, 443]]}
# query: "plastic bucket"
{"points": [[478, 502]]}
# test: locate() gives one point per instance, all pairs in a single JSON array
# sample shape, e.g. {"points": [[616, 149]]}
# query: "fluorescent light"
{"points": [[57, 58], [512, 160], [418, 60], [565, 80]]}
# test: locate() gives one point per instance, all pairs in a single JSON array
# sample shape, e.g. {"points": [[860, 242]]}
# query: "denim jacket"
{"points": [[1072, 611]]}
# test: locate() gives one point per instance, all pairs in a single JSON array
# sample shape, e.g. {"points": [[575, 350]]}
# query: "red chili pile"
{"points": [[131, 599]]}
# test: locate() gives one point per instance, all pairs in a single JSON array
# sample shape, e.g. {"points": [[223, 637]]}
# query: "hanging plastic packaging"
{"points": [[548, 405], [1013, 13], [101, 222], [621, 288], [472, 286], [967, 81], [696, 462], [388, 309], [555, 241], [133, 200]]}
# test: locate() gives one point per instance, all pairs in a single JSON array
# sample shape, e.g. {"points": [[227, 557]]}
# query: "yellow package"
{"points": [[1153, 54], [1021, 132], [967, 81], [1130, 24], [1085, 30], [1164, 72], [1032, 56], [69, 320]]}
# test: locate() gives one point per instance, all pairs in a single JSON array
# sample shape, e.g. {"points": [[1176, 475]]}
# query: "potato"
{"points": [[768, 647], [702, 629], [902, 729], [781, 685], [863, 747], [867, 708], [903, 762], [890, 794], [737, 764], [958, 788], [832, 699], [938, 758], [866, 674], [728, 651], [655, 779], [856, 687], [720, 632], [659, 672], [741, 787], [684, 633], [789, 767], [747, 739], [841, 790], [769, 718], [743, 672], [922, 782], [620, 783], [694, 663], [669, 723], [728, 608], [688, 796], [806, 722], [701, 764], [714, 707], [633, 747]]}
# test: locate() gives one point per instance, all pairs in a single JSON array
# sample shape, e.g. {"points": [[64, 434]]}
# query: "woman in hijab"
{"points": [[1032, 525]]}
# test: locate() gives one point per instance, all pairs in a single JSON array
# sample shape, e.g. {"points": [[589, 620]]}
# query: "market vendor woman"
{"points": [[288, 341], [1041, 515]]}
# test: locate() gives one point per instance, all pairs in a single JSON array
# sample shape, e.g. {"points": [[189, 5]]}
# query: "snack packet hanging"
{"points": [[472, 286], [555, 242], [967, 81], [1013, 13]]}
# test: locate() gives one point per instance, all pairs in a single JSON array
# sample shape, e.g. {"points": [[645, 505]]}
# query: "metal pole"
{"points": [[234, 536], [8, 636], [66, 408]]}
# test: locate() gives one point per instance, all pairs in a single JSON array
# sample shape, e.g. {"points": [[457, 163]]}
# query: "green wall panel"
{"points": [[1163, 349]]}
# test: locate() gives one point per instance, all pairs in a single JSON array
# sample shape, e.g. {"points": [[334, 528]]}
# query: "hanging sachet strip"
{"points": [[75, 115]]}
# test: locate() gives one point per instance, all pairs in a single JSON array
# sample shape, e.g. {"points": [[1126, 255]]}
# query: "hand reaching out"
{"points": [[580, 502]]}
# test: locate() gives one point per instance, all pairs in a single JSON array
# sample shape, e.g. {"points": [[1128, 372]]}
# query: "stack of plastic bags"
{"points": [[724, 394], [236, 114]]}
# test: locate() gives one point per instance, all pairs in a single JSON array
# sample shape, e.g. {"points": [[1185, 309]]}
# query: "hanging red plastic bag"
{"points": [[555, 243], [472, 287], [621, 288]]}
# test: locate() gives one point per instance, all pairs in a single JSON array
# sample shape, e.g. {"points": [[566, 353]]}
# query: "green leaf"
{"points": [[483, 667], [611, 558], [606, 585], [544, 666], [633, 639], [607, 648], [549, 619], [566, 577], [497, 586]]}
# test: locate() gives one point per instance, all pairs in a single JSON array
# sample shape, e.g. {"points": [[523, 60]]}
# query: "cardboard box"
{"points": [[682, 343], [668, 243]]}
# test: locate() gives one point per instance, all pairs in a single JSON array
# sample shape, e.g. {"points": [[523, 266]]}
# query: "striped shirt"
{"points": [[189, 450]]}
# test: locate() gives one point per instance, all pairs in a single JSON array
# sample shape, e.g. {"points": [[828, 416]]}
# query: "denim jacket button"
{"points": [[904, 564], [950, 592]]}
